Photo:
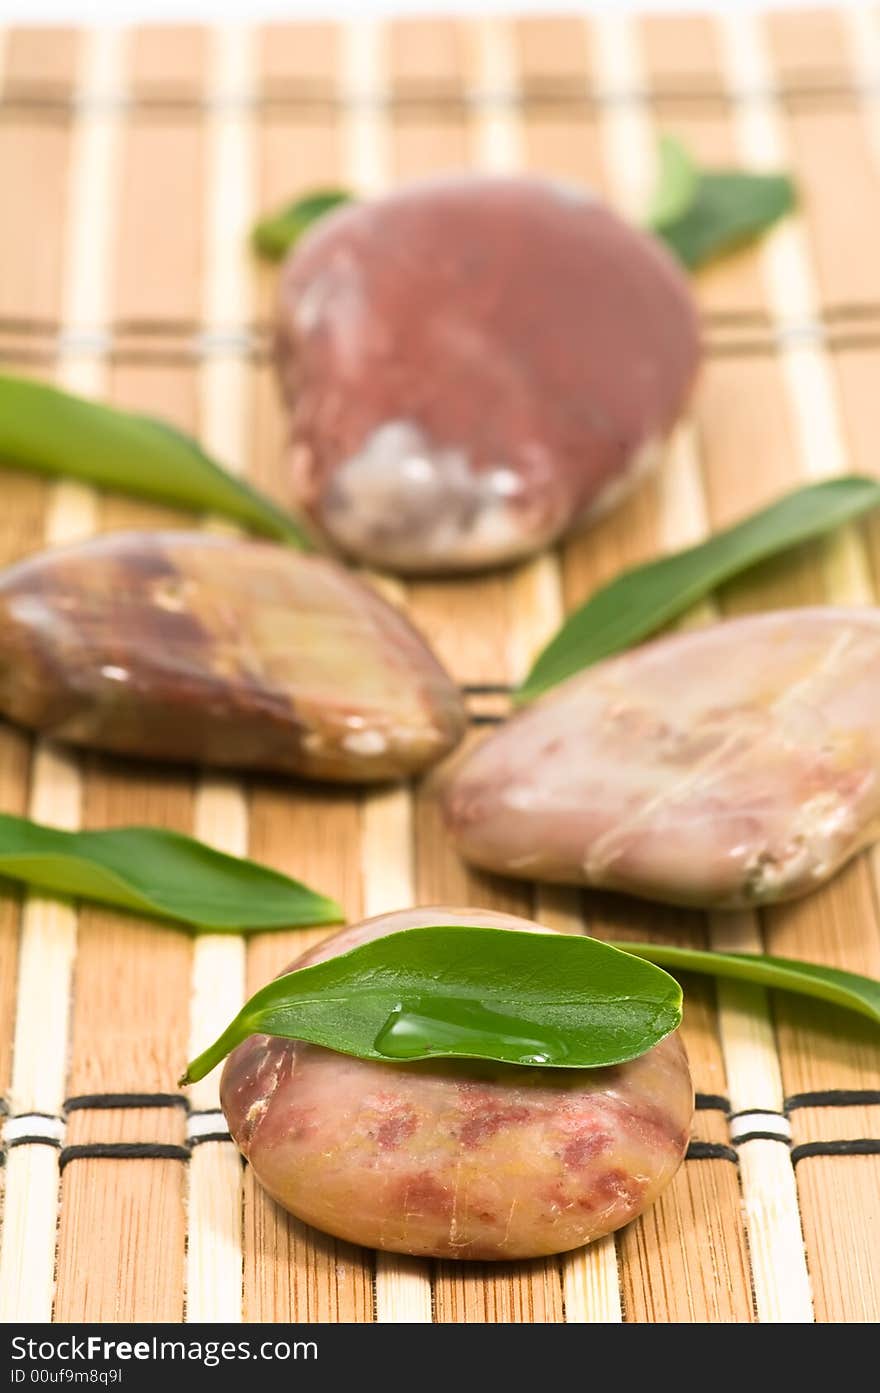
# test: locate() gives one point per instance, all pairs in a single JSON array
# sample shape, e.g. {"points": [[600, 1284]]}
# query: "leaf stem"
{"points": [[237, 1031]]}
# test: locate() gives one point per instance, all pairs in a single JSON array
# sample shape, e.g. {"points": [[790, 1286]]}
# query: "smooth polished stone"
{"points": [[723, 767], [472, 365], [459, 1158], [222, 651]]}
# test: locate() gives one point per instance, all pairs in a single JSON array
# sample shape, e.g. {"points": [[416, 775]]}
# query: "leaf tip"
{"points": [[520, 696], [265, 244]]}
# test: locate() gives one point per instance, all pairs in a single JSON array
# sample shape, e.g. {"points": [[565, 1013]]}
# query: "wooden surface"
{"points": [[132, 163]]}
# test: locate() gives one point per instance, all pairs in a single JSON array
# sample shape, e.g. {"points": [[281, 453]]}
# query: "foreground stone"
{"points": [[459, 1158]]}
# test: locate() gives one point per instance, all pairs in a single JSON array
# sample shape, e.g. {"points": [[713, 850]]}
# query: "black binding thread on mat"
{"points": [[123, 1151], [711, 1151], [164, 1151], [755, 1112], [125, 1100], [150, 358], [703, 1102], [769, 346], [697, 1150], [834, 1098], [855, 1146], [761, 1136], [819, 87], [487, 688], [711, 1102], [754, 318], [185, 357]]}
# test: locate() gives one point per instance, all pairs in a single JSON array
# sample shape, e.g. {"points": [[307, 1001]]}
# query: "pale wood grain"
{"points": [[629, 143], [124, 1222], [48, 933], [36, 284], [530, 595], [170, 243], [292, 1272], [214, 1236], [403, 1285], [590, 1289], [794, 284]]}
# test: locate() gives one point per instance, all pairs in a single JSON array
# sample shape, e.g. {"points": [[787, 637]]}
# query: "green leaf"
{"points": [[274, 236], [53, 433], [728, 209], [640, 601], [557, 1000], [677, 183], [846, 989], [156, 872]]}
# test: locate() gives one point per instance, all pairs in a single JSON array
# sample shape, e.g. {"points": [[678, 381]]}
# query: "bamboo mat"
{"points": [[132, 164]]}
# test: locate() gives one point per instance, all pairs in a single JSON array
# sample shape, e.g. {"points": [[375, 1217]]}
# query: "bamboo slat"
{"points": [[590, 1287], [793, 288], [48, 932], [754, 1079], [25, 500], [534, 612], [121, 1222], [627, 143], [292, 1272], [214, 1256], [815, 428], [143, 206], [402, 1285]]}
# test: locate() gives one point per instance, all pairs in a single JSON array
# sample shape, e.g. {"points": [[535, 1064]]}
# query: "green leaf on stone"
{"points": [[561, 1001]]}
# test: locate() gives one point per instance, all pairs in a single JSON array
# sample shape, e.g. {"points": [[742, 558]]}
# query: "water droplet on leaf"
{"points": [[428, 1025]]}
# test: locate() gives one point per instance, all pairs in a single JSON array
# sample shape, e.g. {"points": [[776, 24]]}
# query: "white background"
{"points": [[217, 11]]}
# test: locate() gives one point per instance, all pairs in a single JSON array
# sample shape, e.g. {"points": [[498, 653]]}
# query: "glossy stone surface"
{"points": [[457, 1159], [473, 364], [723, 767], [223, 651]]}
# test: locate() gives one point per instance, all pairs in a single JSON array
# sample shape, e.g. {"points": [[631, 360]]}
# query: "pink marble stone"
{"points": [[474, 364], [723, 767], [457, 1158]]}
